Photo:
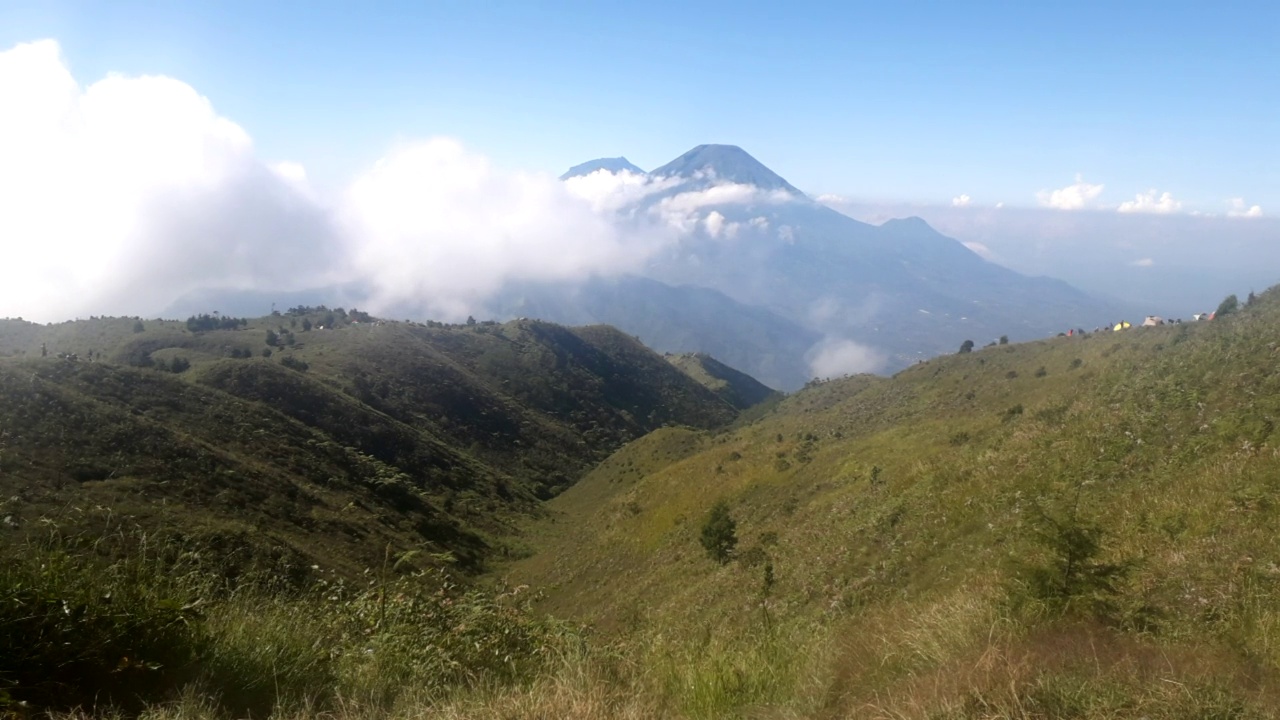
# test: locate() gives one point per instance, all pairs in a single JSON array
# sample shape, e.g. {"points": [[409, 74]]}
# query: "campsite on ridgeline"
{"points": [[887, 362]]}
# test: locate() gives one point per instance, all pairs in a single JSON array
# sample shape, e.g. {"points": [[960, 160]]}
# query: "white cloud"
{"points": [[980, 250], [120, 196], [1148, 202], [834, 357], [999, 204], [1143, 263], [832, 199], [608, 191], [961, 201], [1238, 208], [438, 229], [1072, 197], [117, 196]]}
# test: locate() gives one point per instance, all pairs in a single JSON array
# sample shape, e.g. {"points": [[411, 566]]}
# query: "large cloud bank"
{"points": [[116, 196], [119, 196]]}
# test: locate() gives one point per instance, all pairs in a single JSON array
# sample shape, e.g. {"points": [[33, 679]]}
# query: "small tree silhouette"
{"points": [[1229, 305], [719, 533], [966, 346]]}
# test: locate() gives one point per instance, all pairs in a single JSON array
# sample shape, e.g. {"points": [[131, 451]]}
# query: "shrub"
{"points": [[1004, 339], [71, 635], [1229, 305], [1041, 371], [966, 346], [294, 363], [1073, 578], [719, 533]]}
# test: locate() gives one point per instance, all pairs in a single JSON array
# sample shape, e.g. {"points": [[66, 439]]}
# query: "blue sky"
{"points": [[916, 102]]}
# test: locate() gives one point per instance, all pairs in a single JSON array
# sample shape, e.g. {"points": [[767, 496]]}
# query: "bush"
{"points": [[73, 635], [719, 533], [1073, 578], [1229, 305], [966, 346], [294, 363]]}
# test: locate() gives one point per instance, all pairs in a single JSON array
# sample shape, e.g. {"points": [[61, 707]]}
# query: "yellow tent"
{"points": [[1122, 325]]}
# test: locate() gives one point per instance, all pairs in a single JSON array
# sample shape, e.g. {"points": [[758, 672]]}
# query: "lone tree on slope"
{"points": [[719, 533]]}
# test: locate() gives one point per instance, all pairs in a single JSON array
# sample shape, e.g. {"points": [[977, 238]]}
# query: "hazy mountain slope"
{"points": [[901, 289], [737, 388], [343, 442], [613, 165], [890, 532], [726, 163], [676, 319]]}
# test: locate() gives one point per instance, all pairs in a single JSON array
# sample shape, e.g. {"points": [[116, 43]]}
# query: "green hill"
{"points": [[348, 440], [736, 388], [1075, 527]]}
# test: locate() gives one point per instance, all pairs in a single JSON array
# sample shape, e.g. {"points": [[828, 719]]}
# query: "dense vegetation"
{"points": [[1075, 527]]}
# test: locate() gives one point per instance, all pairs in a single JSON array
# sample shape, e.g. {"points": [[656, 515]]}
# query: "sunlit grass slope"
{"points": [[1075, 527]]}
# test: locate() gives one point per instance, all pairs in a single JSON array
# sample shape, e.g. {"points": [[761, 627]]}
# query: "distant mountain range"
{"points": [[899, 292]]}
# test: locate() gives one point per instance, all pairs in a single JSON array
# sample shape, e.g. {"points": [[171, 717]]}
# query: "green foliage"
{"points": [[206, 323], [139, 327], [1004, 340], [80, 629], [272, 338], [1073, 577], [719, 533], [294, 363], [966, 346], [1228, 305]]}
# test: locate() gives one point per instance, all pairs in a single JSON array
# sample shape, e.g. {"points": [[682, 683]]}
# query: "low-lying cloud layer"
{"points": [[119, 196], [835, 357]]}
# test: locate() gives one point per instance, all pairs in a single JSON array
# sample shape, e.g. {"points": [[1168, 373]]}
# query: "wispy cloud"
{"points": [[835, 356], [1143, 263], [1149, 202], [961, 201], [1072, 197], [1238, 208]]}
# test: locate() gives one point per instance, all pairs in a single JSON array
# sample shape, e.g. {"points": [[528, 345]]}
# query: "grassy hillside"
{"points": [[1076, 527], [319, 437], [737, 388]]}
